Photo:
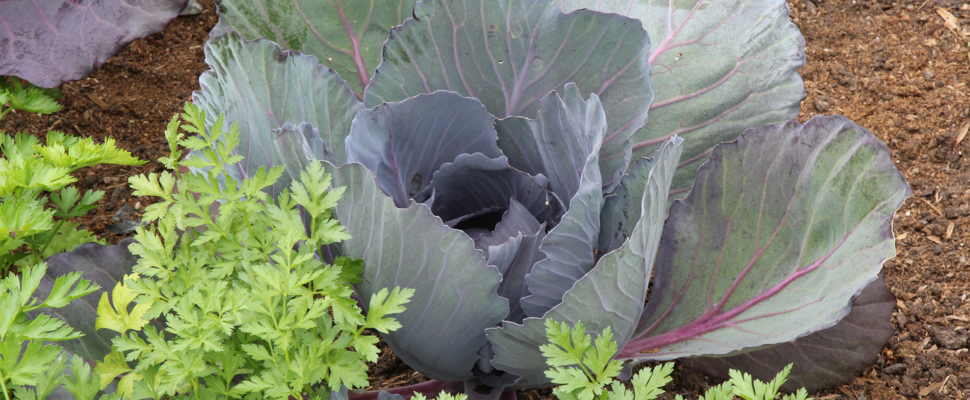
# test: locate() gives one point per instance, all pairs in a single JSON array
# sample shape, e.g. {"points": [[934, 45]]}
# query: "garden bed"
{"points": [[893, 67]]}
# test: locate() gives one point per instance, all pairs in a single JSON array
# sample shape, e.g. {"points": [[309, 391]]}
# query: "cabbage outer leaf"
{"points": [[260, 87], [511, 53], [455, 295], [345, 35], [50, 42], [825, 358], [783, 228], [718, 67]]}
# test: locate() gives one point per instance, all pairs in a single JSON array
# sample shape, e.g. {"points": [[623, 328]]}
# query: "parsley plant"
{"points": [[24, 359], [28, 171], [584, 368], [241, 302], [30, 98]]}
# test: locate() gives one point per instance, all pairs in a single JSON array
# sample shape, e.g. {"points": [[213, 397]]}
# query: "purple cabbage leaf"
{"points": [[509, 55], [567, 137], [345, 35], [404, 143], [782, 230], [621, 209], [824, 358], [611, 295], [475, 187], [50, 42], [444, 324], [718, 68], [260, 88]]}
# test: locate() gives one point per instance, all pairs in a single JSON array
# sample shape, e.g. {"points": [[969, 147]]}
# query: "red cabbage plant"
{"points": [[633, 166]]}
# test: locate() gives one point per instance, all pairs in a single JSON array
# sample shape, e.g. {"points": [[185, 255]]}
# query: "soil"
{"points": [[896, 67]]}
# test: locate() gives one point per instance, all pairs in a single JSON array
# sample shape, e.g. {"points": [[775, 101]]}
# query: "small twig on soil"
{"points": [[931, 205]]}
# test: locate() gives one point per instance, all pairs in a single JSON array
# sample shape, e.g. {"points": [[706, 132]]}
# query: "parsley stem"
{"points": [[249, 225], [3, 386], [57, 228], [4, 267]]}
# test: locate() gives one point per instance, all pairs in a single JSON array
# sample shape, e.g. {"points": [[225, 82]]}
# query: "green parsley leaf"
{"points": [[117, 317]]}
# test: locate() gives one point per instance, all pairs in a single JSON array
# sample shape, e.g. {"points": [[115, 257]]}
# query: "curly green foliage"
{"points": [[250, 308], [24, 359], [28, 171], [585, 370], [30, 98]]}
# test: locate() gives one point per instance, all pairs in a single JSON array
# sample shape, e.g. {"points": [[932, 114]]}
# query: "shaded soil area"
{"points": [[899, 68], [131, 99]]}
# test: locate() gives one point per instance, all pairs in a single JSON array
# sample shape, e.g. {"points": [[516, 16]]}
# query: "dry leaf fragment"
{"points": [[949, 20], [929, 389], [847, 392], [930, 42], [963, 132], [934, 239], [862, 380], [949, 230], [97, 100], [902, 236]]}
